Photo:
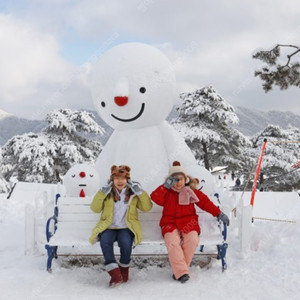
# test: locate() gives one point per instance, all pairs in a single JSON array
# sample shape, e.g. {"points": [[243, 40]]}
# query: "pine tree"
{"points": [[43, 157], [276, 73], [205, 120], [282, 151]]}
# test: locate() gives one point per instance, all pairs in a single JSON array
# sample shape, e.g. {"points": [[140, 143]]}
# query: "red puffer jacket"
{"points": [[182, 217]]}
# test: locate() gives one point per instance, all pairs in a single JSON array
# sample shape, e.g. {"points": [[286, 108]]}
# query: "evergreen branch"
{"points": [[283, 75]]}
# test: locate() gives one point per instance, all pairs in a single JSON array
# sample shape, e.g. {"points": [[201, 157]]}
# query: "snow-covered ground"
{"points": [[270, 270]]}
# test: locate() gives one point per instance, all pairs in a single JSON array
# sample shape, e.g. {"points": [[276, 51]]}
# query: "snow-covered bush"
{"points": [[45, 156]]}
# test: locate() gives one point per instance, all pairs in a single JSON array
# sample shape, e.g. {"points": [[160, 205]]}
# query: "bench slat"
{"points": [[76, 225], [74, 200], [78, 217], [83, 208]]}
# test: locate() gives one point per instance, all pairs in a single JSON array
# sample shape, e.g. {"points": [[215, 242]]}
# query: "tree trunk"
{"points": [[206, 161]]}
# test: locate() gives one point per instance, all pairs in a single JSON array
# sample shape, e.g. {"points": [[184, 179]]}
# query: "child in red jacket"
{"points": [[179, 221]]}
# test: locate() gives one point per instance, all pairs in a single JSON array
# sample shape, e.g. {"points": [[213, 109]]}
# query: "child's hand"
{"points": [[223, 218], [135, 187], [107, 187], [170, 181]]}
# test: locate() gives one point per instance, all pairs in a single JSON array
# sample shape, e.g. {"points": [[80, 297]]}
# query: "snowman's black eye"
{"points": [[91, 175], [73, 175], [143, 90], [103, 104]]}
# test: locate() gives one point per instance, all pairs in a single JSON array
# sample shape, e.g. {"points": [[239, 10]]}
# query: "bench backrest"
{"points": [[74, 214]]}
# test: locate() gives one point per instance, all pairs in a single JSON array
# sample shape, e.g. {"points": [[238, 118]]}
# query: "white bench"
{"points": [[73, 221]]}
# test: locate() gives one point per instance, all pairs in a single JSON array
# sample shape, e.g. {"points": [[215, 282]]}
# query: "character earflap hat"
{"points": [[193, 182], [122, 171]]}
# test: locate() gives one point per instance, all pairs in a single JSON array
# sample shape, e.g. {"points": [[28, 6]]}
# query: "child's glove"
{"points": [[170, 182], [223, 218], [92, 240], [135, 187], [107, 187]]}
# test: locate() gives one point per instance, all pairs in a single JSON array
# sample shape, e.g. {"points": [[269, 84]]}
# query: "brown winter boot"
{"points": [[115, 274], [125, 273]]}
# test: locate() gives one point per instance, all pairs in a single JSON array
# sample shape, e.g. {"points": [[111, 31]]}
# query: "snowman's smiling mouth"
{"points": [[131, 119]]}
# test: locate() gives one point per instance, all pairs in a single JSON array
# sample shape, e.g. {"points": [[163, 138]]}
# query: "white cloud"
{"points": [[32, 70], [209, 42]]}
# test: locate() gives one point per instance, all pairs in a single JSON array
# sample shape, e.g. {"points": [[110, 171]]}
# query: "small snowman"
{"points": [[134, 89], [81, 180]]}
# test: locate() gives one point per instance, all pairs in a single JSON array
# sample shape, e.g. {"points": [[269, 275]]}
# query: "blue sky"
{"points": [[48, 47]]}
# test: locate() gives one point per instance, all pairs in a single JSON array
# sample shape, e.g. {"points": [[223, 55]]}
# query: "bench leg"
{"points": [[52, 252], [55, 252], [222, 255]]}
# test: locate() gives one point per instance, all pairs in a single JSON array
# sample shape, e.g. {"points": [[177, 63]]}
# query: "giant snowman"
{"points": [[134, 89]]}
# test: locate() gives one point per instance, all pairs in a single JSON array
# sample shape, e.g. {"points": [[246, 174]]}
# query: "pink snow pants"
{"points": [[181, 248]]}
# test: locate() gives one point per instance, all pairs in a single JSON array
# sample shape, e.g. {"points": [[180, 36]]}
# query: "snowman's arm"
{"points": [[144, 202], [206, 204], [98, 202], [158, 195]]}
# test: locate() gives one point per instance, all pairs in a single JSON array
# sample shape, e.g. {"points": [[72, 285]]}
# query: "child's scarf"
{"points": [[186, 196]]}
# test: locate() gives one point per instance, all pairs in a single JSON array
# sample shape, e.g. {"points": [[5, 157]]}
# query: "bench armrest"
{"points": [[224, 231], [49, 234]]}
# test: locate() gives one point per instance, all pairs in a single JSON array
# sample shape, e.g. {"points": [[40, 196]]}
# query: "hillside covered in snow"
{"points": [[252, 121]]}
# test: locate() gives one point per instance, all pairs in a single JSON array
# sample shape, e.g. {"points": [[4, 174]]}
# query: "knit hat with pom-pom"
{"points": [[177, 169]]}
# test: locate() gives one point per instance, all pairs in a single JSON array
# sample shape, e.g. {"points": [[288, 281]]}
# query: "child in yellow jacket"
{"points": [[119, 200]]}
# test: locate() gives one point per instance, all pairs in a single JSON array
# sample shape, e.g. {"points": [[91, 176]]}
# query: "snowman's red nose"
{"points": [[82, 174], [121, 100]]}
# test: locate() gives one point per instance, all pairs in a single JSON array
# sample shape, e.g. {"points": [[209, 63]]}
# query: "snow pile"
{"points": [[270, 270]]}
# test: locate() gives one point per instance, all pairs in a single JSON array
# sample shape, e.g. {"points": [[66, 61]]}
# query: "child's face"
{"points": [[119, 182], [180, 183]]}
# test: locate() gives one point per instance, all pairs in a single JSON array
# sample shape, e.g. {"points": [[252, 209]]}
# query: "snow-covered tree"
{"points": [[275, 72], [282, 152], [205, 120], [4, 186], [43, 157]]}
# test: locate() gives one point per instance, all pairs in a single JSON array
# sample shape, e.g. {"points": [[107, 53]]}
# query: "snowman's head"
{"points": [[81, 181], [133, 86]]}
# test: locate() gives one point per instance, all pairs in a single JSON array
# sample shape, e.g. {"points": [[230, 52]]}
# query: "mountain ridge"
{"points": [[251, 122]]}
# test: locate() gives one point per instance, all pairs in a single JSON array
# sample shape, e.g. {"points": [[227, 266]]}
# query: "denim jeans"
{"points": [[124, 237]]}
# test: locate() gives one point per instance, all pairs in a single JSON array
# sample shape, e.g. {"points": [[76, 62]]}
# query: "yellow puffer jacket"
{"points": [[105, 203]]}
